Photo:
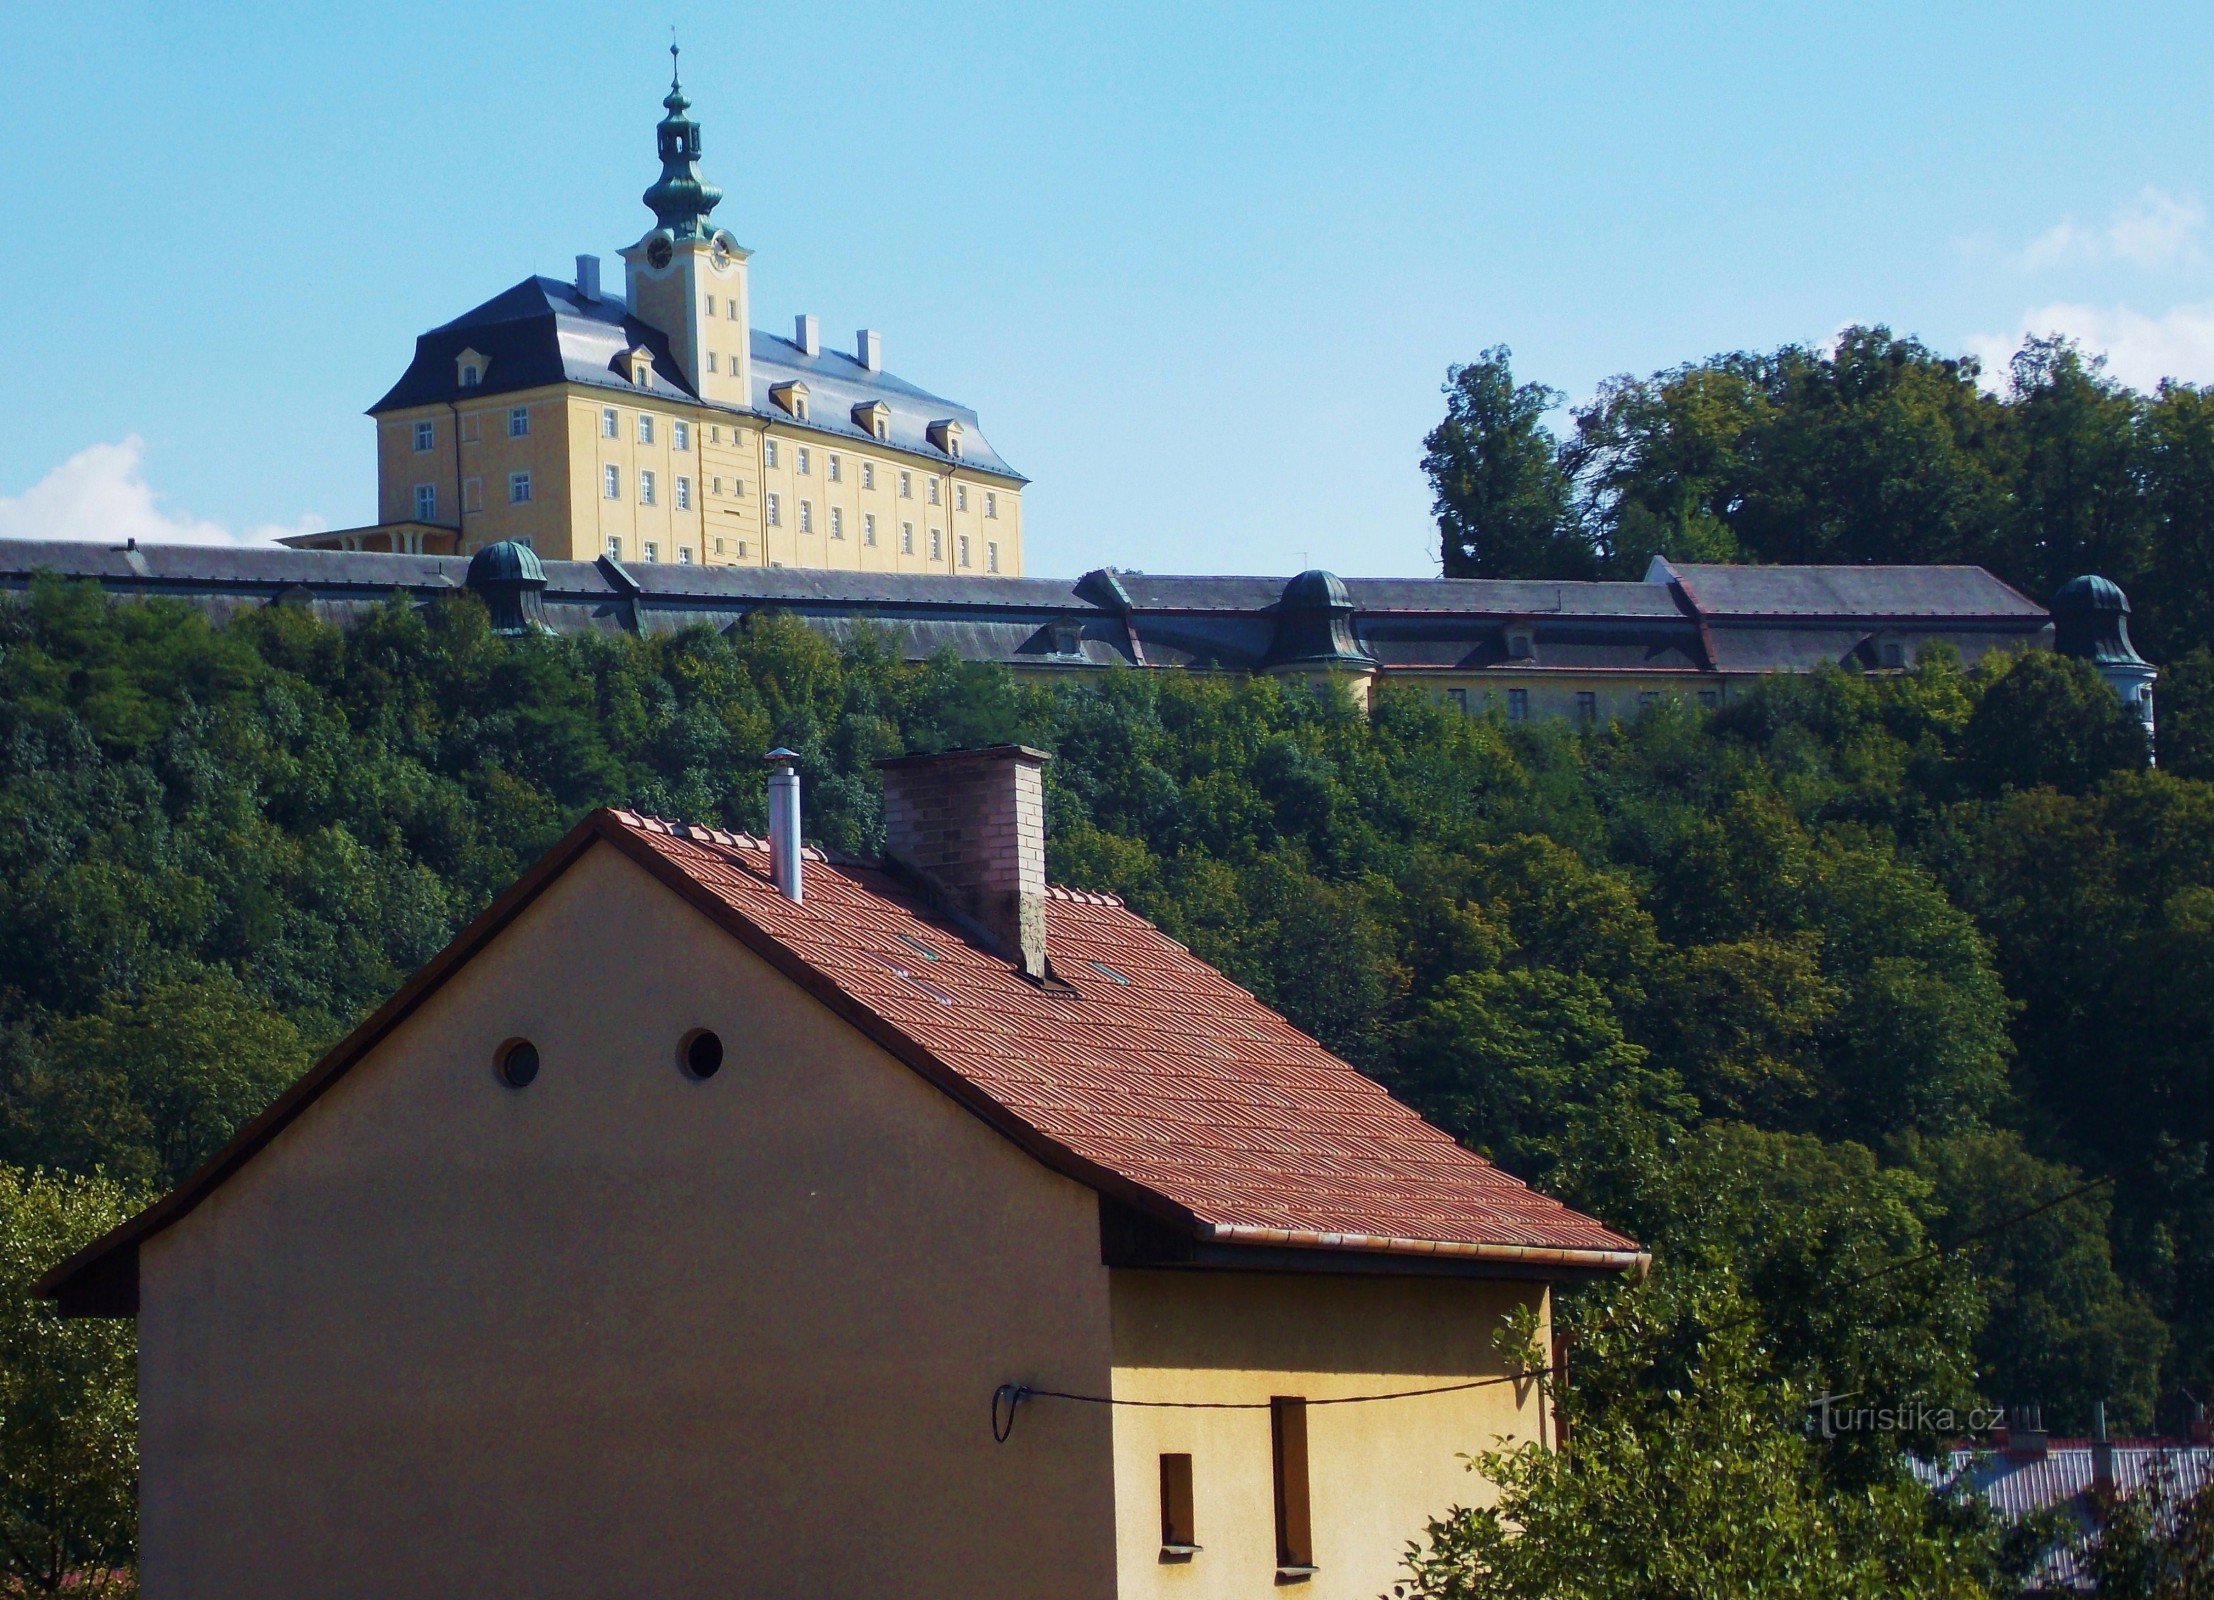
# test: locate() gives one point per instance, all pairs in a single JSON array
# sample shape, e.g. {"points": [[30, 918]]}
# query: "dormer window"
{"points": [[639, 360], [874, 418], [469, 368], [1521, 644], [947, 437]]}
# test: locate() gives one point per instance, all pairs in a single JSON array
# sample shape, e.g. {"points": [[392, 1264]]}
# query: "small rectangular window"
{"points": [[960, 497], [652, 552], [837, 522], [645, 488], [684, 494], [1458, 698], [991, 504], [518, 488], [684, 555], [1295, 1542], [868, 527], [715, 433], [1587, 706], [991, 556], [711, 305], [614, 547], [680, 436], [937, 545], [964, 549], [645, 428], [832, 466], [907, 538], [868, 474], [1518, 705], [611, 482], [1177, 1534], [426, 435], [800, 460], [472, 494], [1708, 699], [776, 511], [907, 486], [426, 502], [933, 491], [768, 452], [711, 361], [716, 488], [609, 427], [807, 516], [518, 422]]}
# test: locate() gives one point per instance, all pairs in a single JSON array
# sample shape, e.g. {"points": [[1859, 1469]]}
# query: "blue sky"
{"points": [[1201, 269]]}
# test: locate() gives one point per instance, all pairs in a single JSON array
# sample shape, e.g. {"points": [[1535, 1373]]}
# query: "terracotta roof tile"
{"points": [[1174, 1079]]}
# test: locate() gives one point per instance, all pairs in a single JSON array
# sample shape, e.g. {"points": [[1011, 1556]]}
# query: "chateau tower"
{"points": [[687, 277]]}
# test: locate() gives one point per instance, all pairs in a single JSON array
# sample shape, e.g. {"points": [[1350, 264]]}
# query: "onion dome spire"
{"points": [[681, 199]]}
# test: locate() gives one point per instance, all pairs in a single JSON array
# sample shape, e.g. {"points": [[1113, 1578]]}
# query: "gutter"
{"points": [[1638, 1262]]}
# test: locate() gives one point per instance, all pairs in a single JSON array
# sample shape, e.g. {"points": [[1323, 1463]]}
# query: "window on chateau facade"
{"points": [[907, 486], [652, 552], [518, 422], [426, 502], [964, 549], [775, 511], [960, 497], [717, 488], [768, 452], [518, 488], [684, 555], [684, 494], [711, 361], [645, 428], [609, 428], [800, 461], [426, 435], [868, 474], [907, 538], [611, 482], [991, 504], [833, 467], [1587, 706], [807, 516], [1708, 699], [469, 376], [680, 436], [1295, 1541], [937, 545], [991, 556], [868, 528], [933, 491], [837, 522], [1518, 705], [645, 488], [614, 548]]}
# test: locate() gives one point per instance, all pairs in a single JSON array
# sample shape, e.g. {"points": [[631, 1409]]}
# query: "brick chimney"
{"points": [[971, 824]]}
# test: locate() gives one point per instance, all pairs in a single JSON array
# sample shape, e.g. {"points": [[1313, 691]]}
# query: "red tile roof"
{"points": [[1147, 1073], [1149, 1067]]}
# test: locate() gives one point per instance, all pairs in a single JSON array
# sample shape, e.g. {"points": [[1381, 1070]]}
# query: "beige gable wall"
{"points": [[1377, 1473], [622, 1332]]}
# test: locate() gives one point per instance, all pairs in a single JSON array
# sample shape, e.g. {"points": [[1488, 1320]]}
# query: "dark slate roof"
{"points": [[1238, 624], [545, 331], [1874, 592]]}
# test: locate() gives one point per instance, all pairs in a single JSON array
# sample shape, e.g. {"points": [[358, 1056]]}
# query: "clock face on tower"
{"points": [[720, 250], [660, 252]]}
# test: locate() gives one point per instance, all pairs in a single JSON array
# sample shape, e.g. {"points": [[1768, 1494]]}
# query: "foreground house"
{"points": [[691, 1225]]}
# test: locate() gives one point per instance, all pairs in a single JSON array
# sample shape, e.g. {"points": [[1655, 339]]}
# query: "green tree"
{"points": [[68, 1401], [1501, 498], [2049, 721]]}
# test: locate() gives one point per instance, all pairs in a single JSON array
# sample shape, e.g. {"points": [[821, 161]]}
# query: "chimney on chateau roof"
{"points": [[869, 349], [588, 277], [971, 824], [785, 850], [807, 333]]}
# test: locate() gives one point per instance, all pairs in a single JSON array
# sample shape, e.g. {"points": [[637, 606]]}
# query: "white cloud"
{"points": [[2154, 230], [100, 495], [2139, 349]]}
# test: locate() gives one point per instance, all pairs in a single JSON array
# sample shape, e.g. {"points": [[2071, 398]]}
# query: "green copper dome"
{"points": [[681, 198]]}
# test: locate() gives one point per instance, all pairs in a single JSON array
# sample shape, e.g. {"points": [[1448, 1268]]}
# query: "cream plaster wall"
{"points": [[1377, 1472], [624, 1332]]}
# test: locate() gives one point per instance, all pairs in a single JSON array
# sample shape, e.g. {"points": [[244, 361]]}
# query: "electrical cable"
{"points": [[1008, 1397]]}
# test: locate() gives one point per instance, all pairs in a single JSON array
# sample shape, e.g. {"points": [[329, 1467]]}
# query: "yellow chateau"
{"points": [[661, 426]]}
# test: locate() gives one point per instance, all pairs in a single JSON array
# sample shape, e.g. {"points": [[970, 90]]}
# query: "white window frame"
{"points": [[518, 488], [645, 486], [650, 553], [833, 467], [518, 422], [611, 425], [768, 452], [961, 550], [645, 427], [868, 474], [614, 547], [933, 491], [680, 435], [807, 516], [837, 522], [907, 538], [611, 482], [801, 461], [991, 504], [991, 555], [426, 436], [775, 511], [684, 494], [868, 529], [960, 497], [906, 485], [426, 502], [937, 544]]}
